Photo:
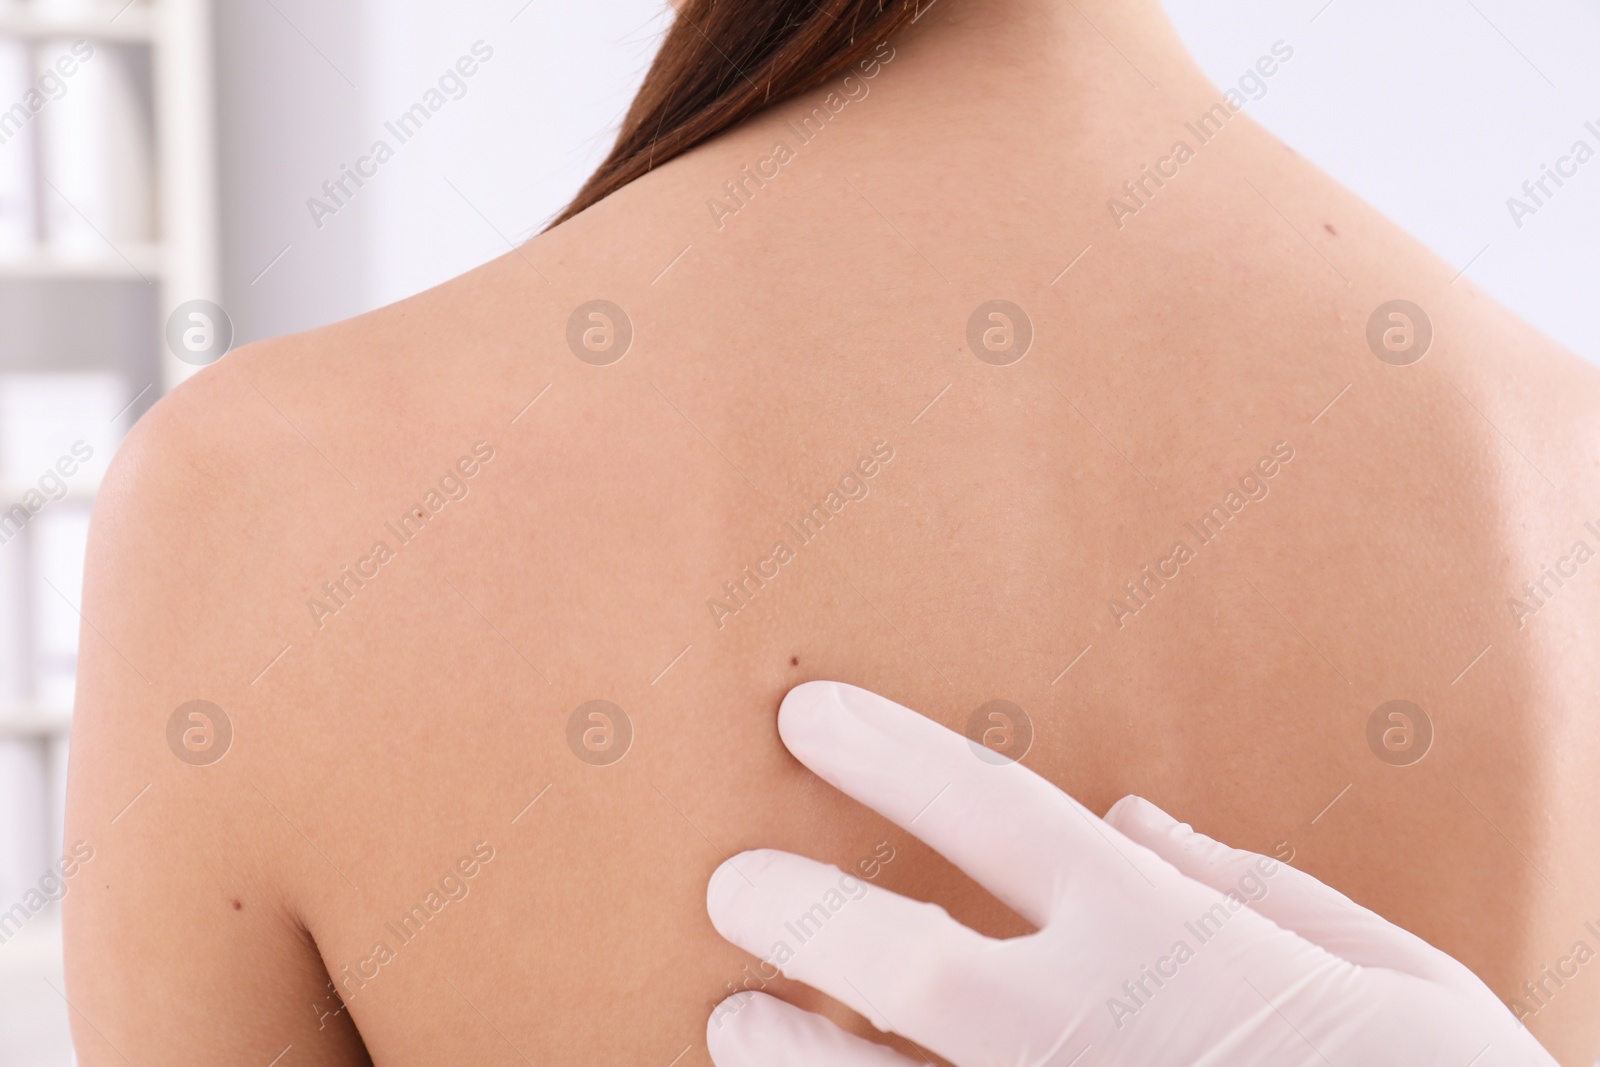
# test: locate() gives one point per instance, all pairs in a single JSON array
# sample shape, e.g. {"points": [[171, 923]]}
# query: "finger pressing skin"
{"points": [[882, 954], [755, 1030], [1291, 898], [1013, 832]]}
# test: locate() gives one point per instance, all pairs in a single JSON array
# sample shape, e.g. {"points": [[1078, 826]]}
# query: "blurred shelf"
{"points": [[144, 261], [34, 950], [34, 721], [34, 1028], [12, 492], [136, 23]]}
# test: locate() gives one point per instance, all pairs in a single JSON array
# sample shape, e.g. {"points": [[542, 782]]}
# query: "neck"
{"points": [[1097, 47]]}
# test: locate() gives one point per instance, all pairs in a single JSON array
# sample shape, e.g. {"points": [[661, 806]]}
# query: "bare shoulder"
{"points": [[1529, 390], [212, 508], [192, 504], [235, 490], [254, 450], [200, 453]]}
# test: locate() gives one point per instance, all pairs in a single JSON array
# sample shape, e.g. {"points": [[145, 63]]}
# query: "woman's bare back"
{"points": [[758, 418]]}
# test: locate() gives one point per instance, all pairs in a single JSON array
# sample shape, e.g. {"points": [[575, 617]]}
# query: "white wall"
{"points": [[300, 101], [538, 118], [281, 112], [1435, 111]]}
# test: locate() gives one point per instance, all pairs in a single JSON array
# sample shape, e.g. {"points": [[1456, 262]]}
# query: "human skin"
{"points": [[376, 746]]}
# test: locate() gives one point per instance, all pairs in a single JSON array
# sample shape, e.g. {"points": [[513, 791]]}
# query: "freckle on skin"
{"points": [[1329, 227], [237, 906], [794, 661]]}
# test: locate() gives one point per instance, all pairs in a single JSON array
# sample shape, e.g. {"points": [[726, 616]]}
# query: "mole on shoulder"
{"points": [[237, 906], [1329, 227], [794, 661]]}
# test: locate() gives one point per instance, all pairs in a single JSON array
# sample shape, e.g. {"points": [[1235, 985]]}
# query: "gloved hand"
{"points": [[1156, 946]]}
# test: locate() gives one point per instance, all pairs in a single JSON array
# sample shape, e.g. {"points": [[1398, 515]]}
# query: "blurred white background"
{"points": [[115, 207]]}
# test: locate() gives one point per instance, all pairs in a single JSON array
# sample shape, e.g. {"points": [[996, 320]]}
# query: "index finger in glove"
{"points": [[1012, 831]]}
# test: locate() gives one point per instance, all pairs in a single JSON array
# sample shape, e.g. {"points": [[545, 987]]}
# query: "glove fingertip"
{"points": [[1176, 842], [1133, 814], [732, 891], [723, 1014], [722, 1037]]}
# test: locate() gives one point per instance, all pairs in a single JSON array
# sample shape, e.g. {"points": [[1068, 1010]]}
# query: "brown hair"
{"points": [[725, 60]]}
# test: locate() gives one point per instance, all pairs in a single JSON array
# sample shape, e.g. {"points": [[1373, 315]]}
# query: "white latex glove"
{"points": [[1156, 946]]}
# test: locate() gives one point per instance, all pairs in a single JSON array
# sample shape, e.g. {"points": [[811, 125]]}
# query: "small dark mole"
{"points": [[237, 906], [1329, 227], [794, 661]]}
